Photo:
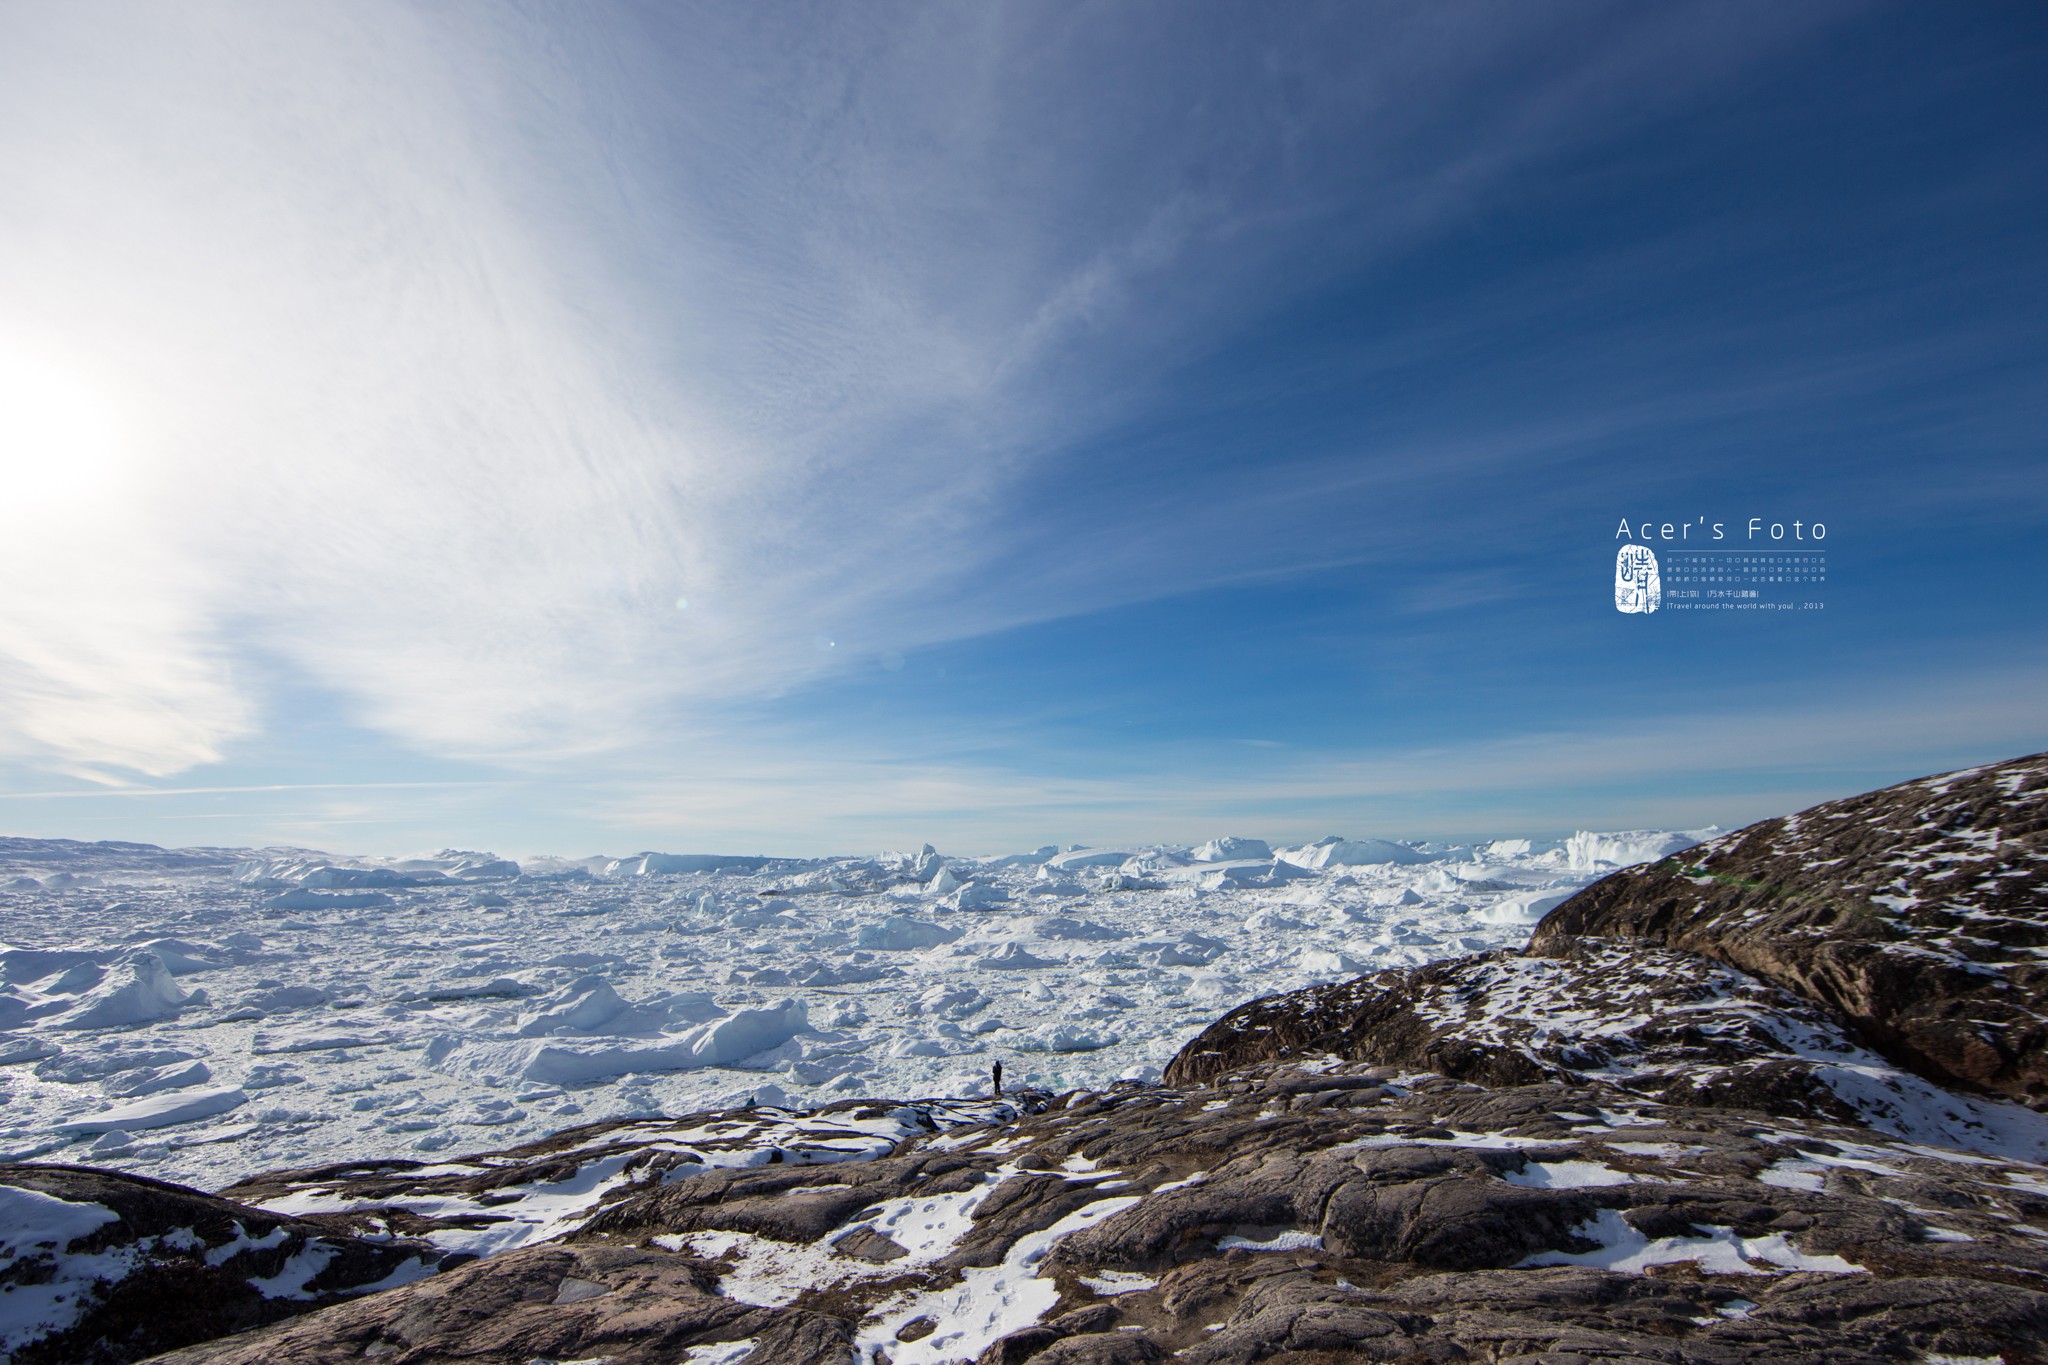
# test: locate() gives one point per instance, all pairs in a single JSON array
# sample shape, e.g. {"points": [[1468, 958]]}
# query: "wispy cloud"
{"points": [[533, 390]]}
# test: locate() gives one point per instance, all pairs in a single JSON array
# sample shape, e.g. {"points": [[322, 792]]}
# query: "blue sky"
{"points": [[1055, 422]]}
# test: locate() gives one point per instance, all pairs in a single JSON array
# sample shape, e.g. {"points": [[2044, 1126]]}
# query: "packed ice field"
{"points": [[202, 1015]]}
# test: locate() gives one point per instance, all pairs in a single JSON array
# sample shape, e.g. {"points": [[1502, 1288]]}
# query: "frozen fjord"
{"points": [[200, 1014]]}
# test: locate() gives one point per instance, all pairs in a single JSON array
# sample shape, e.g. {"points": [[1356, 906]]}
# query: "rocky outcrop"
{"points": [[541, 1303], [97, 1266], [1810, 966], [1918, 913], [1664, 1025], [1278, 1213]]}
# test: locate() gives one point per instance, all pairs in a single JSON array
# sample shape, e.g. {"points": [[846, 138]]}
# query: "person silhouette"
{"points": [[996, 1072]]}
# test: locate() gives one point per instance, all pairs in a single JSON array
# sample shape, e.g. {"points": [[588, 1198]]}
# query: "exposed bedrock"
{"points": [[1919, 913], [1340, 1215]]}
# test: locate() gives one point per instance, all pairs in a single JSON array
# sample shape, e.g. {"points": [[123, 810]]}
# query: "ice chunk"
{"points": [[900, 933], [327, 900], [277, 999], [1060, 927], [949, 1001], [1329, 962], [497, 988], [182, 958], [1011, 957], [152, 1080], [943, 882], [1046, 882], [1094, 857], [1587, 851], [1249, 872], [1190, 950], [720, 1043], [149, 994], [591, 1005], [675, 864], [980, 896], [159, 1111], [1231, 848], [1063, 1038], [267, 1044], [742, 1034], [1043, 852], [1524, 908], [19, 966]]}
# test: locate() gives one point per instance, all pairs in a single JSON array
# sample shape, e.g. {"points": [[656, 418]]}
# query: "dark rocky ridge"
{"points": [[1378, 1222], [1918, 913]]}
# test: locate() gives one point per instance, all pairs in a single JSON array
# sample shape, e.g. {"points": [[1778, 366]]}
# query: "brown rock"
{"points": [[1909, 911], [181, 1266]]}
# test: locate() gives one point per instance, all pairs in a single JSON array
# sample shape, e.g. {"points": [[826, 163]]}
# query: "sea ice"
{"points": [[485, 998]]}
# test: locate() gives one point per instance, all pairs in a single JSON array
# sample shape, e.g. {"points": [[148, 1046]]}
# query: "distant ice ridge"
{"points": [[1336, 852], [318, 871], [289, 1006]]}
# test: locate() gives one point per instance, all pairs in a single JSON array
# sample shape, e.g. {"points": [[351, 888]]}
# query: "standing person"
{"points": [[997, 1072]]}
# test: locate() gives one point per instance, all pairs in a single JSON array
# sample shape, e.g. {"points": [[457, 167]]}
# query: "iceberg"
{"points": [[150, 993], [1587, 851], [1231, 848]]}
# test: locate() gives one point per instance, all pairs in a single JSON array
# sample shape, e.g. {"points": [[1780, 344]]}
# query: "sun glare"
{"points": [[61, 436]]}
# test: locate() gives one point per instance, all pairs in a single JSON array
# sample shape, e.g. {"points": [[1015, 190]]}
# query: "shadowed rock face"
{"points": [[165, 1265], [1277, 1214], [1919, 913]]}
